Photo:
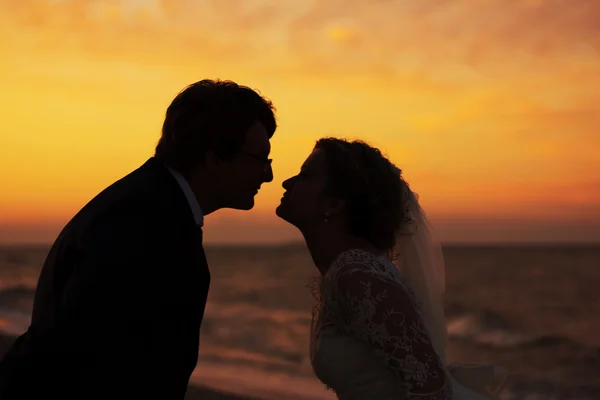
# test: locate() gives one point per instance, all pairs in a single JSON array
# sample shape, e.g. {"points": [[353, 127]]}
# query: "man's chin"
{"points": [[244, 205]]}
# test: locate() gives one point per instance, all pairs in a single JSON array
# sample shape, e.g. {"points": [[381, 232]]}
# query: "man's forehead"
{"points": [[257, 139]]}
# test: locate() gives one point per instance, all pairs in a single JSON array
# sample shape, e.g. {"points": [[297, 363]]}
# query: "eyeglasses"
{"points": [[265, 161]]}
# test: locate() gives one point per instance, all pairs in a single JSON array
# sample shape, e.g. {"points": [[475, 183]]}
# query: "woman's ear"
{"points": [[212, 162]]}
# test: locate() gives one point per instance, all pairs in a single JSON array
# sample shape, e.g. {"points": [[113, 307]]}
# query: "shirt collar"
{"points": [[190, 196]]}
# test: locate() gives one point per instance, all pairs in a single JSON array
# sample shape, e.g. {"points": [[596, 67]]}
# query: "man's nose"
{"points": [[268, 174]]}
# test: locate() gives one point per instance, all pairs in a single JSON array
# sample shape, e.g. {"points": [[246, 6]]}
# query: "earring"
{"points": [[326, 215]]}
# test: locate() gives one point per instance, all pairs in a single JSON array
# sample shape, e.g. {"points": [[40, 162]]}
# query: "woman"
{"points": [[378, 328]]}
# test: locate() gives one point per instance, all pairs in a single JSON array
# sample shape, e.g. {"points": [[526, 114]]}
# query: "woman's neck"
{"points": [[325, 245]]}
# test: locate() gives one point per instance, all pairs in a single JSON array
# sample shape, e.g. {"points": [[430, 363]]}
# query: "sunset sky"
{"points": [[490, 107]]}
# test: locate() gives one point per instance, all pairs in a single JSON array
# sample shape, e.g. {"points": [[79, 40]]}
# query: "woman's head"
{"points": [[348, 183]]}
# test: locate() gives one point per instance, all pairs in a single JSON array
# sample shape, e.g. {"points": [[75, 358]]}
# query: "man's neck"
{"points": [[201, 186]]}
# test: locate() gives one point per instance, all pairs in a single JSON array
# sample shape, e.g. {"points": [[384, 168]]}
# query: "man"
{"points": [[122, 293]]}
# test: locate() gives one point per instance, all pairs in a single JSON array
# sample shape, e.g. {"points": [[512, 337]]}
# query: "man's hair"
{"points": [[211, 115]]}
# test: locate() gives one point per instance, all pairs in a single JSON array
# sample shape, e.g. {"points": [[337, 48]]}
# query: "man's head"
{"points": [[216, 134]]}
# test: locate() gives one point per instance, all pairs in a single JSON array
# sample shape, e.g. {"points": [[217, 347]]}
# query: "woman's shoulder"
{"points": [[354, 261]]}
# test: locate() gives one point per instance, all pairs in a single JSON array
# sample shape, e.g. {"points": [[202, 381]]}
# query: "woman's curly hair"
{"points": [[377, 197]]}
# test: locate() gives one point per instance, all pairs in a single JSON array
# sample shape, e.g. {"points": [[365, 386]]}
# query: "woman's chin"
{"points": [[280, 212]]}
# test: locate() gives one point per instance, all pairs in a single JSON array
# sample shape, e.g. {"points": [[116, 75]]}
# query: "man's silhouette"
{"points": [[122, 293]]}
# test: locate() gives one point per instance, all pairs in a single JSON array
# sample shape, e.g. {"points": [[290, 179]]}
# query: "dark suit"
{"points": [[120, 299]]}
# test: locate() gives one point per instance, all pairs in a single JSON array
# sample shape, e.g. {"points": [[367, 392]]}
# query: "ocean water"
{"points": [[535, 310]]}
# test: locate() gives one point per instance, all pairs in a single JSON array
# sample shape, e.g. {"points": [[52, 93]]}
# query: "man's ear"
{"points": [[337, 206], [212, 162]]}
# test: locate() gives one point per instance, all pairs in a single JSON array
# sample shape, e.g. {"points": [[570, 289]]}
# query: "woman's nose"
{"points": [[286, 184]]}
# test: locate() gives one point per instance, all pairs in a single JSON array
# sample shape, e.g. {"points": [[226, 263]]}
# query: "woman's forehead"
{"points": [[316, 158]]}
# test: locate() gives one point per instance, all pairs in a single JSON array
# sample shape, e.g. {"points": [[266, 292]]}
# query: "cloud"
{"points": [[452, 62], [442, 63], [341, 34], [472, 32], [428, 46]]}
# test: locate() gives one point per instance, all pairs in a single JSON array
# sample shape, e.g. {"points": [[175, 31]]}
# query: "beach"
{"points": [[200, 393], [194, 392]]}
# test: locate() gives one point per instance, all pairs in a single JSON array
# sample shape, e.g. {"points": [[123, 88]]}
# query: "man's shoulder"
{"points": [[129, 204]]}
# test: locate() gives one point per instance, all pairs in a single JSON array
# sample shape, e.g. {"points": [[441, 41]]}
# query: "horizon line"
{"points": [[298, 243]]}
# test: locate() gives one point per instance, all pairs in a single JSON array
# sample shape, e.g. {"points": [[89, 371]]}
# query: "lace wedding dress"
{"points": [[368, 339]]}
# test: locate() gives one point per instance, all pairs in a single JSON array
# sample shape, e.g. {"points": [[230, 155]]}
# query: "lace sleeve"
{"points": [[380, 311]]}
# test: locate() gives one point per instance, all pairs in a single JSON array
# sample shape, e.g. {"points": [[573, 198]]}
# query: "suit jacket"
{"points": [[119, 301]]}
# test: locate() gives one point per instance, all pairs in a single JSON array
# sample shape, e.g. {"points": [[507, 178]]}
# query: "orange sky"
{"points": [[491, 107]]}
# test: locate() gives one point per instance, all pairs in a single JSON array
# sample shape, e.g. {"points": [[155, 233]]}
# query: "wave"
{"points": [[18, 298], [233, 356], [485, 327], [249, 381], [490, 329], [277, 338], [15, 309]]}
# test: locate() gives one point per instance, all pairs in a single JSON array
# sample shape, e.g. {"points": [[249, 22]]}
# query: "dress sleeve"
{"points": [[382, 313]]}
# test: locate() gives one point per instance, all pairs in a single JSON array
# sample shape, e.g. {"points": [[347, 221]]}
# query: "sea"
{"points": [[532, 309]]}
